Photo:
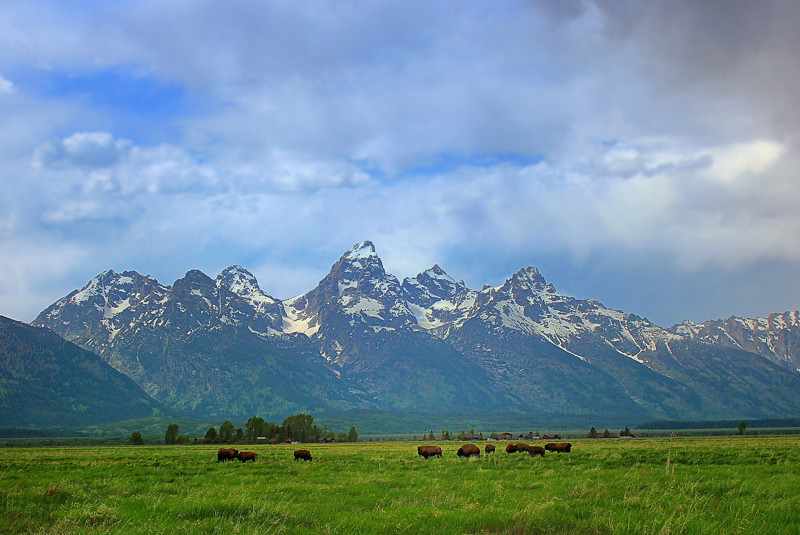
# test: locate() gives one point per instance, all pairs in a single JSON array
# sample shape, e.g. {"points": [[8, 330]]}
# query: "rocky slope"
{"points": [[362, 339], [776, 337]]}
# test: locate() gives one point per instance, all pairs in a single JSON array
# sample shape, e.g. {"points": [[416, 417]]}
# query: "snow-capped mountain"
{"points": [[357, 296], [776, 337], [436, 299], [200, 345], [430, 343]]}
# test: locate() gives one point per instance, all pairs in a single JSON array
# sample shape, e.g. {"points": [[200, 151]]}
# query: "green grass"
{"points": [[714, 485]]}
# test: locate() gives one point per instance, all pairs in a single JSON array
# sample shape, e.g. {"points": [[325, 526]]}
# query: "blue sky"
{"points": [[642, 154]]}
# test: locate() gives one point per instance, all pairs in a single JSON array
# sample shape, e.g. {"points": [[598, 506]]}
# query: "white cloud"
{"points": [[85, 149], [657, 132], [5, 86]]}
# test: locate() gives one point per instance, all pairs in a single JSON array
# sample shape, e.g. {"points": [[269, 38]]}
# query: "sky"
{"points": [[640, 153]]}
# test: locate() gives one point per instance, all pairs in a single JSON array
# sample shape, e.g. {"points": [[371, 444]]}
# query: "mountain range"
{"points": [[363, 340]]}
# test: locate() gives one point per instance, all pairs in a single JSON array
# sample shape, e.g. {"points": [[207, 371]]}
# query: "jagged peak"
{"points": [[364, 249], [236, 275], [194, 276], [437, 272]]}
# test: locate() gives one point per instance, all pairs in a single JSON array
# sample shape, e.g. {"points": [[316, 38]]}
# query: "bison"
{"points": [[429, 451], [245, 456], [560, 447], [226, 454], [511, 448], [489, 448], [522, 447], [536, 450], [469, 450], [302, 454]]}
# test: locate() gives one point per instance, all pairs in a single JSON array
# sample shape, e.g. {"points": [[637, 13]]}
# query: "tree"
{"points": [[238, 436], [136, 439], [592, 432], [254, 429], [352, 435], [445, 434], [211, 435], [431, 435], [742, 427], [606, 433], [625, 432], [182, 439], [172, 434], [301, 427], [226, 432]]}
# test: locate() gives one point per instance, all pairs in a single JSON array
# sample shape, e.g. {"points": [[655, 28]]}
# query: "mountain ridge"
{"points": [[426, 343]]}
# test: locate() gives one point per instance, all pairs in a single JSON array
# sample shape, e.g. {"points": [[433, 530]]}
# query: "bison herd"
{"points": [[467, 450], [471, 450]]}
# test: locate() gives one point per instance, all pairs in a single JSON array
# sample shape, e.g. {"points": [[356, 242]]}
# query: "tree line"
{"points": [[296, 428]]}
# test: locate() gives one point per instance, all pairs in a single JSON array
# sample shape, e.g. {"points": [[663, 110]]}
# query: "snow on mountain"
{"points": [[776, 337], [253, 307], [103, 307], [526, 303], [391, 341], [436, 299]]}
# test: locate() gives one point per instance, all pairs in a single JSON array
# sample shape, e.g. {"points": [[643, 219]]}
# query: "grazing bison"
{"points": [[511, 448], [536, 450], [429, 451], [489, 448], [522, 447], [245, 456], [469, 450], [302, 454], [561, 447], [226, 454]]}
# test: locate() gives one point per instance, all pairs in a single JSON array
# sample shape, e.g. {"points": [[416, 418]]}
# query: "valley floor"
{"points": [[681, 485]]}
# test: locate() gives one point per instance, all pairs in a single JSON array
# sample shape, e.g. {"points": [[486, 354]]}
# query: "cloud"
{"points": [[5, 86], [655, 133], [85, 149]]}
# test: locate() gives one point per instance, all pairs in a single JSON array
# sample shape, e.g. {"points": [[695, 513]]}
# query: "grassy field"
{"points": [[713, 485]]}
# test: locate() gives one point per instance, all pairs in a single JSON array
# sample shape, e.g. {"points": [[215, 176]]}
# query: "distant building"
{"points": [[505, 436]]}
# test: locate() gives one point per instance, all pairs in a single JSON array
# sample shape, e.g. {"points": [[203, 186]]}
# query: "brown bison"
{"points": [[561, 447], [489, 449], [302, 454], [522, 447], [429, 451], [536, 450], [226, 454], [469, 450], [245, 456], [511, 448]]}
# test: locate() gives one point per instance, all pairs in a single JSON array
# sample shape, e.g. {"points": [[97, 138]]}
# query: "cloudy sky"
{"points": [[643, 154]]}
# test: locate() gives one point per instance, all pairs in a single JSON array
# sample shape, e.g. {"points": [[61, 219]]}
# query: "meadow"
{"points": [[746, 484]]}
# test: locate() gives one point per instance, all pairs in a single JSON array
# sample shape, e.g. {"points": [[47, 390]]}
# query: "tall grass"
{"points": [[714, 485]]}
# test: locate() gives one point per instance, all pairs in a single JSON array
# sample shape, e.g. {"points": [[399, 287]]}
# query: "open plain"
{"points": [[680, 485]]}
